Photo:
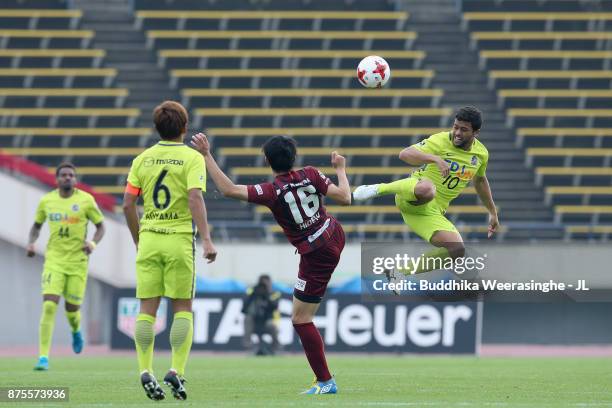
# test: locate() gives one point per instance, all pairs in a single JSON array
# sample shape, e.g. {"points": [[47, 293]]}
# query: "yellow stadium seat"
{"points": [[285, 54], [534, 15], [340, 131], [69, 112], [38, 13], [75, 131], [327, 34], [389, 209], [560, 133], [273, 15], [317, 151], [74, 151], [250, 73], [594, 211]]}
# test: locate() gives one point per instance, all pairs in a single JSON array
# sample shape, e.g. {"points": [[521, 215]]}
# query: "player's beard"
{"points": [[67, 187]]}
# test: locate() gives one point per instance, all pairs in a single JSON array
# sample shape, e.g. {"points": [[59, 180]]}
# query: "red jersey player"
{"points": [[294, 197]]}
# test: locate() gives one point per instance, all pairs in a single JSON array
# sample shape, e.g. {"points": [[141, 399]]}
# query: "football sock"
{"points": [[314, 349], [431, 260], [181, 337], [45, 331], [74, 320], [403, 188], [144, 338]]}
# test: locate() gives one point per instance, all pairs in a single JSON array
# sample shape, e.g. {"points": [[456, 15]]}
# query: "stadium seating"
{"points": [[57, 100], [293, 71], [551, 67]]}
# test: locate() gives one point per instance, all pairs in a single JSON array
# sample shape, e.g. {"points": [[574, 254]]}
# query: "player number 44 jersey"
{"points": [[67, 219]]}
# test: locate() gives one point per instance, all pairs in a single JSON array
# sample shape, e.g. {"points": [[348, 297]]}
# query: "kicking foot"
{"points": [[322, 387], [42, 365], [152, 387], [77, 342], [176, 384], [365, 192]]}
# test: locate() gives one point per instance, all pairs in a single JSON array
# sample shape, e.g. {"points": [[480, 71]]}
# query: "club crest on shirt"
{"points": [[75, 207], [474, 160]]}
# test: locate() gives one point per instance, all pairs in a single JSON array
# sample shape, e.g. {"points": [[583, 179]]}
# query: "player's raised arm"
{"points": [[225, 185], [415, 157], [483, 189], [342, 192]]}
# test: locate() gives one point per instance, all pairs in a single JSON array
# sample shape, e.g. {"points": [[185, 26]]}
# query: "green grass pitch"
{"points": [[364, 381]]}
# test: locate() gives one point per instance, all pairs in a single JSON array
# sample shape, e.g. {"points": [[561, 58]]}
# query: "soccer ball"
{"points": [[373, 72]]}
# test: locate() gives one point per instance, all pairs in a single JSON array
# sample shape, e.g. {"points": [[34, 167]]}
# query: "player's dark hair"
{"points": [[470, 114], [64, 165], [170, 120], [280, 152]]}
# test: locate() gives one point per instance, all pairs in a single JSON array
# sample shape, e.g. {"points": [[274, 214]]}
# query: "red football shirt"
{"points": [[295, 199]]}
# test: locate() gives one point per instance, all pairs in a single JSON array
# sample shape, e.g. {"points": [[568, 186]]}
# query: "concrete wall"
{"points": [[21, 301]]}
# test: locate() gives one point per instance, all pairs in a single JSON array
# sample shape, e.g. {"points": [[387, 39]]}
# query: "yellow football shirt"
{"points": [[164, 174], [464, 165], [68, 219]]}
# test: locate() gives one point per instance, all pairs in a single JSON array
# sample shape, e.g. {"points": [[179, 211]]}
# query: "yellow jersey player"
{"points": [[170, 177], [68, 211], [449, 162]]}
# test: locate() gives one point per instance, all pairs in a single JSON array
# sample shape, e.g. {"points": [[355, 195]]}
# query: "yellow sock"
{"points": [[74, 320], [181, 338], [144, 337], [431, 260], [404, 188], [45, 331]]}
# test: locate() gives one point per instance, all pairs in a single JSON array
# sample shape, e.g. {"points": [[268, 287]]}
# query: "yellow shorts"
{"points": [[424, 220], [165, 266], [65, 279]]}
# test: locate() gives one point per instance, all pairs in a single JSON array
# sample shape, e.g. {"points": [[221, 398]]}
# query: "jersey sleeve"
{"points": [[134, 185], [319, 180], [93, 212], [262, 194], [196, 173], [41, 214], [482, 170], [432, 145]]}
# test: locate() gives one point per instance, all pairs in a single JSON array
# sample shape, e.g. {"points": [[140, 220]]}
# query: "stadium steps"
{"points": [[137, 68], [440, 35]]}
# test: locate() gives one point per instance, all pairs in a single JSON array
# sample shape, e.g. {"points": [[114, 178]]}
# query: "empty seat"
{"points": [[45, 38]]}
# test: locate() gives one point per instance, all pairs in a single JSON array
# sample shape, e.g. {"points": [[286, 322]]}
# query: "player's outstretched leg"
{"points": [[151, 386], [411, 190], [45, 332], [449, 245], [314, 349]]}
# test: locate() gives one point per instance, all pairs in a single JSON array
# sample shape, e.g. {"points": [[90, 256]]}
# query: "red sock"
{"points": [[314, 349]]}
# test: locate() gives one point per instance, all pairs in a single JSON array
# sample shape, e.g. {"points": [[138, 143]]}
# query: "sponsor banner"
{"points": [[346, 322]]}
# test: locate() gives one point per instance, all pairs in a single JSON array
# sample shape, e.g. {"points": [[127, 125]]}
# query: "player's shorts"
{"points": [[316, 268], [424, 220], [165, 266], [65, 279]]}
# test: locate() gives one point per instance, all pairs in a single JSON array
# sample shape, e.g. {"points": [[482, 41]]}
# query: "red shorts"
{"points": [[316, 267]]}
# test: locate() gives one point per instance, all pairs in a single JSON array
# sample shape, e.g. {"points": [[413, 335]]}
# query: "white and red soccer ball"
{"points": [[373, 72]]}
